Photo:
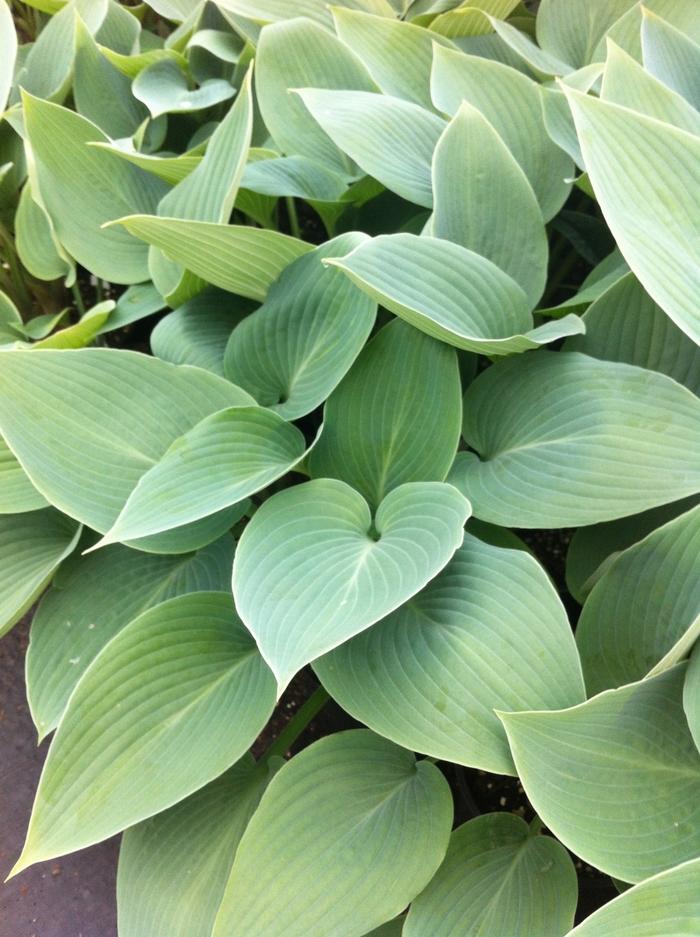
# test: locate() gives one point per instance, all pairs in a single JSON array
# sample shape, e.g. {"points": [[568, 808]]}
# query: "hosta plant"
{"points": [[327, 332]]}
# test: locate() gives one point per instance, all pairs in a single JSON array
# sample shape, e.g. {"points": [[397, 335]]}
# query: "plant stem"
{"points": [[296, 725], [535, 826], [294, 228], [77, 296]]}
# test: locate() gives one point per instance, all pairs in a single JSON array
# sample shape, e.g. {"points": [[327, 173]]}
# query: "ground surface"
{"points": [[71, 897]]}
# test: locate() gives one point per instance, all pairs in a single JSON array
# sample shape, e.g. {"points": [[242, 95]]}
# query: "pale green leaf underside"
{"points": [[347, 833], [92, 599], [450, 293], [396, 416], [644, 174], [691, 691], [565, 440], [174, 867], [642, 607], [222, 460], [237, 258], [309, 573], [666, 905], [31, 547], [489, 632], [497, 880], [645, 818], [170, 703], [292, 352]]}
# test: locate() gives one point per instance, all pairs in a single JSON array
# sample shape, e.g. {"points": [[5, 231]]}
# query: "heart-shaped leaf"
{"points": [[92, 599], [159, 895], [395, 418], [222, 460], [295, 349], [391, 815], [164, 89], [645, 817], [644, 612], [181, 692], [564, 439], [430, 675], [313, 568], [450, 293], [497, 879], [31, 547]]}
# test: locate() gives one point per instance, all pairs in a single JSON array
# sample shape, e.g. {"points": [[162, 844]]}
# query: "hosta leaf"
{"points": [[616, 779], [46, 71], [389, 815], [665, 905], [625, 324], [197, 331], [31, 547], [87, 459], [336, 571], [34, 239], [293, 175], [643, 174], [181, 689], [315, 10], [295, 349], [83, 332], [8, 36], [208, 192], [488, 633], [133, 65], [644, 609], [17, 494], [398, 55], [396, 416], [300, 54], [159, 894], [625, 82], [671, 56], [237, 258], [626, 32], [565, 440], [391, 140], [557, 113], [93, 599], [163, 88], [483, 201], [171, 169], [497, 879], [450, 293], [542, 63], [83, 187], [510, 101], [222, 460], [691, 690], [592, 549], [101, 92], [135, 303], [469, 18], [572, 31]]}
